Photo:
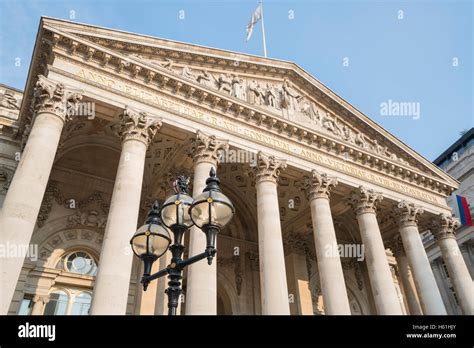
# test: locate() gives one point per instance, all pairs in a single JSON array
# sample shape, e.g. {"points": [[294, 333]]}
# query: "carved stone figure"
{"points": [[187, 73], [270, 97], [167, 64], [224, 83], [9, 101], [289, 97], [237, 87], [328, 123], [255, 93], [206, 79], [309, 110], [361, 140], [90, 218], [381, 150]]}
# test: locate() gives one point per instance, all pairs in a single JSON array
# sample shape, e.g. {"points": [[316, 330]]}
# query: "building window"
{"points": [[81, 304], [455, 296], [58, 303], [26, 305], [445, 269], [72, 302], [78, 262]]}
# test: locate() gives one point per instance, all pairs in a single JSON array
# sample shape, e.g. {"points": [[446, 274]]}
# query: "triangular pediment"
{"points": [[278, 88]]}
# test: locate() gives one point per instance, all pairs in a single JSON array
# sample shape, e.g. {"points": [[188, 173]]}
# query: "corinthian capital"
{"points": [[268, 167], [318, 185], [407, 214], [207, 147], [444, 226], [137, 126], [365, 200], [53, 97]]}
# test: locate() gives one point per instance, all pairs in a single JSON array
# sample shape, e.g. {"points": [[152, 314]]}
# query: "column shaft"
{"points": [[270, 245], [462, 281], [385, 295], [201, 292], [273, 283], [428, 292], [113, 275], [25, 194], [331, 276], [444, 230], [408, 284], [115, 264]]}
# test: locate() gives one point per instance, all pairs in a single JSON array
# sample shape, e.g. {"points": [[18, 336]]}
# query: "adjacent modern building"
{"points": [[329, 205]]}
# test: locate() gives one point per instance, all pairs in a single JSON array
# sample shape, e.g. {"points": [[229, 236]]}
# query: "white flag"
{"points": [[253, 20]]}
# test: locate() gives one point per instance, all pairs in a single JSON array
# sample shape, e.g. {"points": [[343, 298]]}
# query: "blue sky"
{"points": [[368, 52]]}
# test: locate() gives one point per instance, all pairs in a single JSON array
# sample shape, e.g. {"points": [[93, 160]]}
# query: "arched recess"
{"points": [[245, 218], [227, 297], [53, 239], [357, 298]]}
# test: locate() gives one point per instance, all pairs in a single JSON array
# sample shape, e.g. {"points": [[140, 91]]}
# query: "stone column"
{"points": [[318, 187], [201, 292], [427, 289], [273, 286], [364, 202], [406, 277], [25, 194], [444, 230], [467, 257], [115, 264], [39, 301]]}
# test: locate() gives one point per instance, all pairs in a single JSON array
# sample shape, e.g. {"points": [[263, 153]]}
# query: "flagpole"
{"points": [[263, 31]]}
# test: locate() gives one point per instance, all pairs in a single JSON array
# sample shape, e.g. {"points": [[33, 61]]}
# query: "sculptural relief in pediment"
{"points": [[281, 98]]}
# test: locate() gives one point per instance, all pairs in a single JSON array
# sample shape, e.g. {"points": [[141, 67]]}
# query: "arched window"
{"points": [[78, 262], [81, 304], [73, 302], [58, 303]]}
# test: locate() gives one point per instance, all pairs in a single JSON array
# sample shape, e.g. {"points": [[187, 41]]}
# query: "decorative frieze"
{"points": [[353, 142]]}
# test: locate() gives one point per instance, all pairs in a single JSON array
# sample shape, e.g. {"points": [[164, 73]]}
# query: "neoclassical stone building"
{"points": [[458, 161], [108, 119]]}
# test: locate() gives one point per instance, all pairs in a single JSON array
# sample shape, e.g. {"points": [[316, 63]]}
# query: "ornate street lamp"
{"points": [[210, 212]]}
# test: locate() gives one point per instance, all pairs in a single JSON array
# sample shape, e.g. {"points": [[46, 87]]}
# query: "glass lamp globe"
{"points": [[152, 239], [212, 207], [175, 210]]}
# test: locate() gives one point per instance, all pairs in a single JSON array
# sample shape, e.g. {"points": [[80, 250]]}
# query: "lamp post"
{"points": [[210, 212]]}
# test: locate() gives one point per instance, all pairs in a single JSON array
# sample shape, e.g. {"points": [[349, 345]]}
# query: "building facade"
{"points": [[458, 161], [329, 205]]}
